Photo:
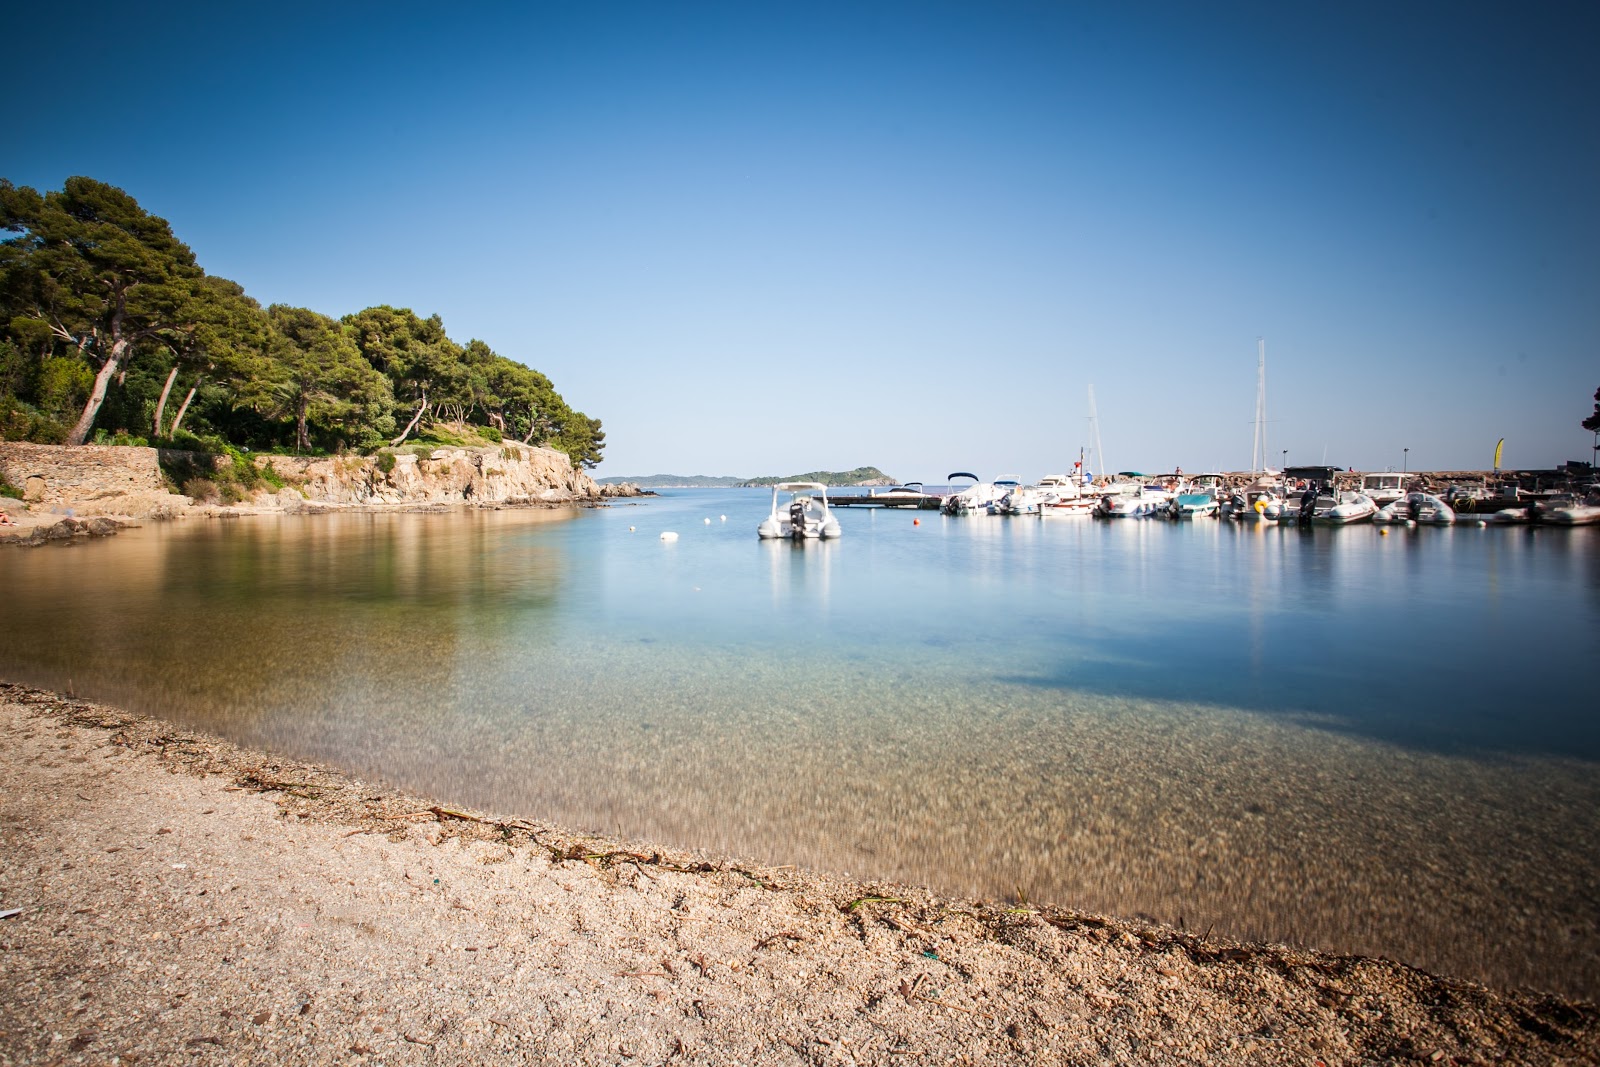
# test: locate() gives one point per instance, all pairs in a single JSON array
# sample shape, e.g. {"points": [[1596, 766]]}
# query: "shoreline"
{"points": [[183, 897]]}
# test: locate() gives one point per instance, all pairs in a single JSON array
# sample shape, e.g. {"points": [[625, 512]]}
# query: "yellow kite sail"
{"points": [[1497, 450]]}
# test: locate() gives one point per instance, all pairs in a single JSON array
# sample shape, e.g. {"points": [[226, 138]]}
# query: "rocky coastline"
{"points": [[92, 491]]}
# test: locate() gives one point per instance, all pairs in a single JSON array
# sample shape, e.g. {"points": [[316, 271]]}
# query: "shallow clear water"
{"points": [[1375, 743]]}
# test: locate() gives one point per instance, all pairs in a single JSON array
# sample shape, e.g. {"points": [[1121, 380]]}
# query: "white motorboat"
{"points": [[910, 495], [1421, 508], [975, 499], [805, 516], [1575, 514], [1261, 502], [1202, 496], [1145, 501], [1003, 488], [1333, 508], [1031, 499], [1385, 488]]}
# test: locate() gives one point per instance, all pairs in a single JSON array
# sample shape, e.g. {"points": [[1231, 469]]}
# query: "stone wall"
{"points": [[53, 475]]}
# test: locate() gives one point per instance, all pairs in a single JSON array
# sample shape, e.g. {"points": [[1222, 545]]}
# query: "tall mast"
{"points": [[1258, 447], [1094, 432]]}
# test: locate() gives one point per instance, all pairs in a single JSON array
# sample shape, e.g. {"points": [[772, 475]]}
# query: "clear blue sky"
{"points": [[720, 227]]}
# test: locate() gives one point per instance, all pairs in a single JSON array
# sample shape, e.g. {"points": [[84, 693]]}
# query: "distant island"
{"points": [[859, 476]]}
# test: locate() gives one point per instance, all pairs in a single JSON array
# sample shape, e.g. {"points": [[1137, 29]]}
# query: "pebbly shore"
{"points": [[170, 897]]}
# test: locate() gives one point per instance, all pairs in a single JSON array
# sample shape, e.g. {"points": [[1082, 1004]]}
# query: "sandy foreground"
{"points": [[172, 898]]}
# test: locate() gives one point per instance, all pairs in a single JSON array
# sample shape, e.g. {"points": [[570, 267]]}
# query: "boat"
{"points": [[1576, 514], [1385, 488], [805, 517], [973, 500], [1143, 502], [909, 495], [1260, 501], [1333, 508], [1003, 488], [1031, 499], [1202, 496], [1080, 503], [1421, 508]]}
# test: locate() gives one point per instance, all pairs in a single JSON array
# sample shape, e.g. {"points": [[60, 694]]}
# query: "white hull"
{"points": [[1578, 515], [1422, 508], [804, 518]]}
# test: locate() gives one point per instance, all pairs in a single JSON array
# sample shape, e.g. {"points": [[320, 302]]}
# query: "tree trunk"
{"points": [[533, 424], [302, 440], [183, 409], [97, 395], [412, 425], [161, 405]]}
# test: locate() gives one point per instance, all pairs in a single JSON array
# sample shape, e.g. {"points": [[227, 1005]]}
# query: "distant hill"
{"points": [[859, 476]]}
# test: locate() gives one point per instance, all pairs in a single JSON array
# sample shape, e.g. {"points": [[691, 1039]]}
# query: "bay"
{"points": [[1364, 742]]}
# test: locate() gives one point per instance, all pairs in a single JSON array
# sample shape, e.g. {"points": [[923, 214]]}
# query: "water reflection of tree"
{"points": [[222, 623]]}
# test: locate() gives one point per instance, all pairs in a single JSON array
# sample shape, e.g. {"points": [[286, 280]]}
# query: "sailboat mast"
{"points": [[1094, 431], [1258, 447]]}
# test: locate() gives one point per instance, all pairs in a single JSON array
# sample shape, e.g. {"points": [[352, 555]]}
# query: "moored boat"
{"points": [[1202, 496], [1333, 508], [1421, 508], [975, 499], [806, 516], [1384, 488]]}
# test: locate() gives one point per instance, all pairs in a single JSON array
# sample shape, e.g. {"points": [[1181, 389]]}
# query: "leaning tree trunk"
{"points": [[412, 425], [161, 405], [302, 440], [183, 409], [97, 395]]}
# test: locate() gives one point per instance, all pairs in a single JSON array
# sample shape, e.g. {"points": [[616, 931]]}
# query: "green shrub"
{"points": [[7, 489], [21, 421], [269, 474], [386, 462], [201, 490], [119, 437], [491, 433]]}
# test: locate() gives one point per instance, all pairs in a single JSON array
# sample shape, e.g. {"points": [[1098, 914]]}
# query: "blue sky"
{"points": [[765, 238]]}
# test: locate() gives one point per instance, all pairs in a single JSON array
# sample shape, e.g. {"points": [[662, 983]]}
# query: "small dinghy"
{"points": [[1425, 509]]}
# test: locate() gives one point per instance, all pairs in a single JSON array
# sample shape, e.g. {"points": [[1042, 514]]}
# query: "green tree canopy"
{"points": [[99, 273], [105, 313], [318, 377]]}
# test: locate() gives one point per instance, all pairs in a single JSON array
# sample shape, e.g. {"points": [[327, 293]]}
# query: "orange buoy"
{"points": [[916, 522]]}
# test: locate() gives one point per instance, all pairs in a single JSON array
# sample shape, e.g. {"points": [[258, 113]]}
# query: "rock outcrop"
{"points": [[499, 474], [123, 480]]}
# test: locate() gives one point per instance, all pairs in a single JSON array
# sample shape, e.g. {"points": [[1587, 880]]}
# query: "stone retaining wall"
{"points": [[52, 474]]}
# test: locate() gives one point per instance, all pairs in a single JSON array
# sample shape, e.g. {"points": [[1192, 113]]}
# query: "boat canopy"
{"points": [[962, 474]]}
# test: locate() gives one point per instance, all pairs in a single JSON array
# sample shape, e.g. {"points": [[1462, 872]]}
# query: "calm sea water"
{"points": [[1377, 743]]}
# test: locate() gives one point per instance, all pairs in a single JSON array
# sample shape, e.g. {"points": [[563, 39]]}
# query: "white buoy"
{"points": [[708, 522], [668, 535], [630, 529], [724, 518]]}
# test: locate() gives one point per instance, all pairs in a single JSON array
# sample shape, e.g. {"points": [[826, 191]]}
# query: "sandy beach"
{"points": [[173, 898]]}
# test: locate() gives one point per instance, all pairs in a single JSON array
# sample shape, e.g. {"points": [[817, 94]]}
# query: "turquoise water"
{"points": [[1363, 742]]}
